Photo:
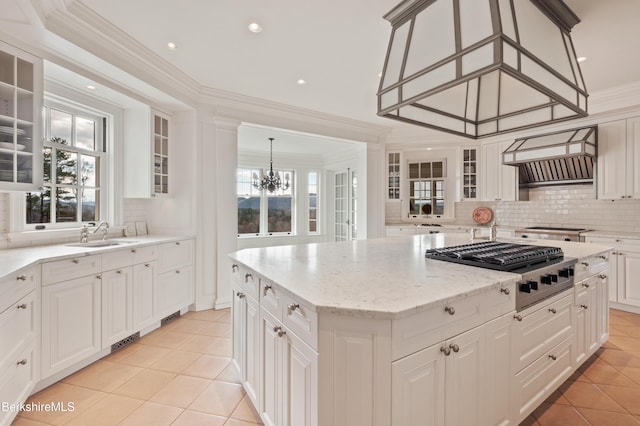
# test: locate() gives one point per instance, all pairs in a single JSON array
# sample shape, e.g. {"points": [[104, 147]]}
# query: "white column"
{"points": [[217, 217]]}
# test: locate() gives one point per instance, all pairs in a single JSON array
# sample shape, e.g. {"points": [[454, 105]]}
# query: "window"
{"points": [[312, 192], [263, 212], [426, 188], [74, 151], [393, 185], [469, 173]]}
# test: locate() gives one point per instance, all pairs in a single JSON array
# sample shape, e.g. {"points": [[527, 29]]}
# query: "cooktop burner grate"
{"points": [[499, 256]]}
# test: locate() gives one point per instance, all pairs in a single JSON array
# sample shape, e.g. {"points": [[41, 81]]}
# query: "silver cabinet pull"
{"points": [[553, 357], [267, 288], [292, 307], [585, 285], [281, 333], [585, 263], [99, 277], [450, 310], [454, 347], [23, 361], [584, 306], [247, 276], [177, 271], [517, 317], [76, 261], [177, 243], [240, 295], [22, 306], [602, 276], [505, 291], [603, 257], [21, 278], [134, 251], [445, 350], [146, 265], [553, 310], [279, 330], [234, 267], [119, 272]]}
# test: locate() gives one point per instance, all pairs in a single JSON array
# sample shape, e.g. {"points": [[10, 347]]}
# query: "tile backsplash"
{"points": [[567, 206]]}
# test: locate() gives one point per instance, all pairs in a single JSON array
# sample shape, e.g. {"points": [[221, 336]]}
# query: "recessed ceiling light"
{"points": [[91, 87], [172, 46], [582, 58], [301, 82], [254, 27]]}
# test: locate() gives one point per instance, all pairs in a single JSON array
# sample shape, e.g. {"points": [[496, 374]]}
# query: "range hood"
{"points": [[565, 157]]}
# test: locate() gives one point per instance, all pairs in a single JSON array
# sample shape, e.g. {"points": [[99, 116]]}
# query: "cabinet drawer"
{"points": [[631, 244], [17, 325], [144, 254], [271, 298], [536, 382], [116, 260], [68, 269], [419, 331], [175, 255], [247, 280], [300, 319], [17, 285], [591, 265], [17, 381], [540, 330]]}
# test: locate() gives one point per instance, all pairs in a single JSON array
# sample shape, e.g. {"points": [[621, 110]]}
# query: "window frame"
{"points": [[86, 112], [264, 196], [309, 208], [432, 183]]}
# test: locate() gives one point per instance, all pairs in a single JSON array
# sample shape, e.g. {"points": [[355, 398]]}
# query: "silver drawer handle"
{"points": [[585, 263], [22, 306], [603, 257], [267, 288], [247, 276], [553, 357], [602, 276], [118, 272], [23, 361], [585, 285], [292, 307], [177, 243], [21, 278], [518, 317], [146, 265], [450, 310], [584, 306], [234, 267], [177, 271], [76, 261], [99, 277], [454, 347], [553, 310], [505, 291], [445, 350], [240, 295], [134, 251]]}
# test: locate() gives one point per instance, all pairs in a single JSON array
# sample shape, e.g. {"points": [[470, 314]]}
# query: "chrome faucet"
{"points": [[84, 231]]}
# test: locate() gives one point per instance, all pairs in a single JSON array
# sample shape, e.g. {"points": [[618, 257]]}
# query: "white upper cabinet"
{"points": [[618, 162], [498, 182], [20, 124], [146, 153]]}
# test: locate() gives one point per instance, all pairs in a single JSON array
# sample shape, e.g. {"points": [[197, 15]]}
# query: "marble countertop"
{"points": [[381, 278], [12, 260], [612, 234]]}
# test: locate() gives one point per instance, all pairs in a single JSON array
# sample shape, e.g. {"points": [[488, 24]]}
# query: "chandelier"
{"points": [[477, 68], [271, 181]]}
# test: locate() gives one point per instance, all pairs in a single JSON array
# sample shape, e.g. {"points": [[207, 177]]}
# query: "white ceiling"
{"points": [[337, 46]]}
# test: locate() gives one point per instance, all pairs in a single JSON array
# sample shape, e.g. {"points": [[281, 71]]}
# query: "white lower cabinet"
{"points": [[71, 318], [175, 290], [289, 376], [464, 380], [145, 295], [591, 299], [117, 305], [245, 312]]}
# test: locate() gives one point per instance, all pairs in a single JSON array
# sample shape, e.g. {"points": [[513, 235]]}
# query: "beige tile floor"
{"points": [[181, 375]]}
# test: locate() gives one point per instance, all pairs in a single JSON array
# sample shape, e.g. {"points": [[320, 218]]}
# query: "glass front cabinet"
{"points": [[20, 120]]}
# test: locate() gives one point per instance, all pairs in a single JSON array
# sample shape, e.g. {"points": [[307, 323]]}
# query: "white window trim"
{"points": [[449, 190], [318, 230]]}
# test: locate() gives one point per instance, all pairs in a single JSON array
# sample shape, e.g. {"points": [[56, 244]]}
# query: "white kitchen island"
{"points": [[372, 333]]}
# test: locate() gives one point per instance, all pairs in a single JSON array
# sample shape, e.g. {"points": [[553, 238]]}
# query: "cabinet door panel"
{"points": [[633, 160], [252, 333], [299, 396], [612, 138], [417, 388], [270, 371], [117, 308], [145, 295], [496, 392], [629, 270], [237, 315], [70, 323]]}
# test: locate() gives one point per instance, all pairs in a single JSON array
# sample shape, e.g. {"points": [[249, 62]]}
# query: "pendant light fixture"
{"points": [[477, 68], [271, 181]]}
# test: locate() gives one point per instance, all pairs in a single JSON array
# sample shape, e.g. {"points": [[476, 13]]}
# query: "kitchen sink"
{"points": [[101, 243]]}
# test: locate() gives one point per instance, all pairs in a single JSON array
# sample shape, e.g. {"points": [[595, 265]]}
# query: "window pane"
{"points": [[85, 133], [437, 169], [279, 214], [46, 172], [66, 205], [414, 171], [89, 170], [312, 226], [39, 206], [61, 124], [66, 167], [248, 215], [90, 207]]}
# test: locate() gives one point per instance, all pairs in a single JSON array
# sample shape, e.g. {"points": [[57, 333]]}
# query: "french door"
{"points": [[346, 207]]}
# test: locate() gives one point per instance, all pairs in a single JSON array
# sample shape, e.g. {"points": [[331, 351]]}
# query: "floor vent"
{"points": [[169, 318], [124, 342]]}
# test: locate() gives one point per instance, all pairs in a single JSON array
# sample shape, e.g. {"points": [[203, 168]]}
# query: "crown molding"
{"points": [[616, 98], [76, 23]]}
